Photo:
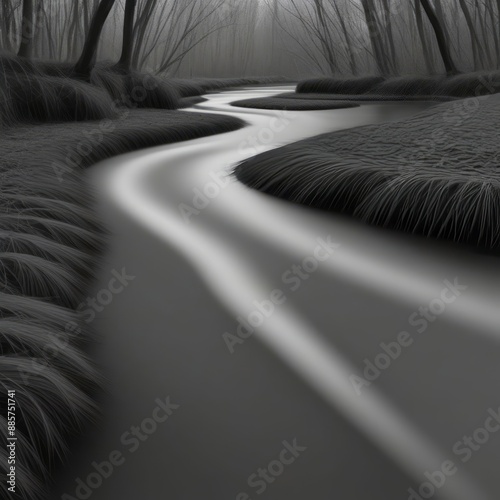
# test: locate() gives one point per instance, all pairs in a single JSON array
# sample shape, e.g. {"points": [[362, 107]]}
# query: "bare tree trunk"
{"points": [[274, 25], [483, 22], [140, 32], [3, 23], [390, 34], [325, 38], [49, 36], [128, 36], [442, 19], [449, 64], [37, 39], [6, 20], [421, 32], [27, 27], [495, 33], [13, 27], [476, 43], [85, 64], [73, 31], [374, 32], [347, 36], [498, 26]]}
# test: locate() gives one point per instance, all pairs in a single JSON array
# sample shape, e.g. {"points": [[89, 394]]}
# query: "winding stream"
{"points": [[205, 252]]}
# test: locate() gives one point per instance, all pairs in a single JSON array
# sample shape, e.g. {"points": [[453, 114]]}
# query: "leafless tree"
{"points": [[441, 38], [27, 27], [166, 32], [477, 48], [128, 36], [232, 37], [375, 32], [8, 22], [87, 59], [311, 25], [423, 37]]}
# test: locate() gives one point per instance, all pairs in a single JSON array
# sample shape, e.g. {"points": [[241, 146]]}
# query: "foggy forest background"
{"points": [[294, 38]]}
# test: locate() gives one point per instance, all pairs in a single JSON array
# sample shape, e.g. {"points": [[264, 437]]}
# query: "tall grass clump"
{"points": [[27, 95], [339, 86], [47, 91], [198, 86], [49, 243], [437, 87], [213, 84], [187, 88], [435, 174], [55, 68], [53, 99], [188, 102], [9, 63], [7, 113], [472, 84], [134, 89], [410, 86]]}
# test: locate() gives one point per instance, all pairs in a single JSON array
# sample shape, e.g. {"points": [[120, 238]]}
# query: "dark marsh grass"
{"points": [[134, 89], [339, 85], [280, 103], [50, 244], [435, 174], [45, 91], [458, 86], [188, 102], [53, 126], [49, 248], [198, 86], [364, 97], [28, 98]]}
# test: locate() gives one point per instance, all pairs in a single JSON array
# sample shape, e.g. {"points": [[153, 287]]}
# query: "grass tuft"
{"points": [[187, 88], [436, 174], [135, 90], [188, 102], [47, 91], [473, 84], [26, 97], [407, 87], [339, 86], [280, 103], [51, 240]]}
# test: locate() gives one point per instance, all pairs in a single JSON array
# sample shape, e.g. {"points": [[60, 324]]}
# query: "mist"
{"points": [[292, 38]]}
